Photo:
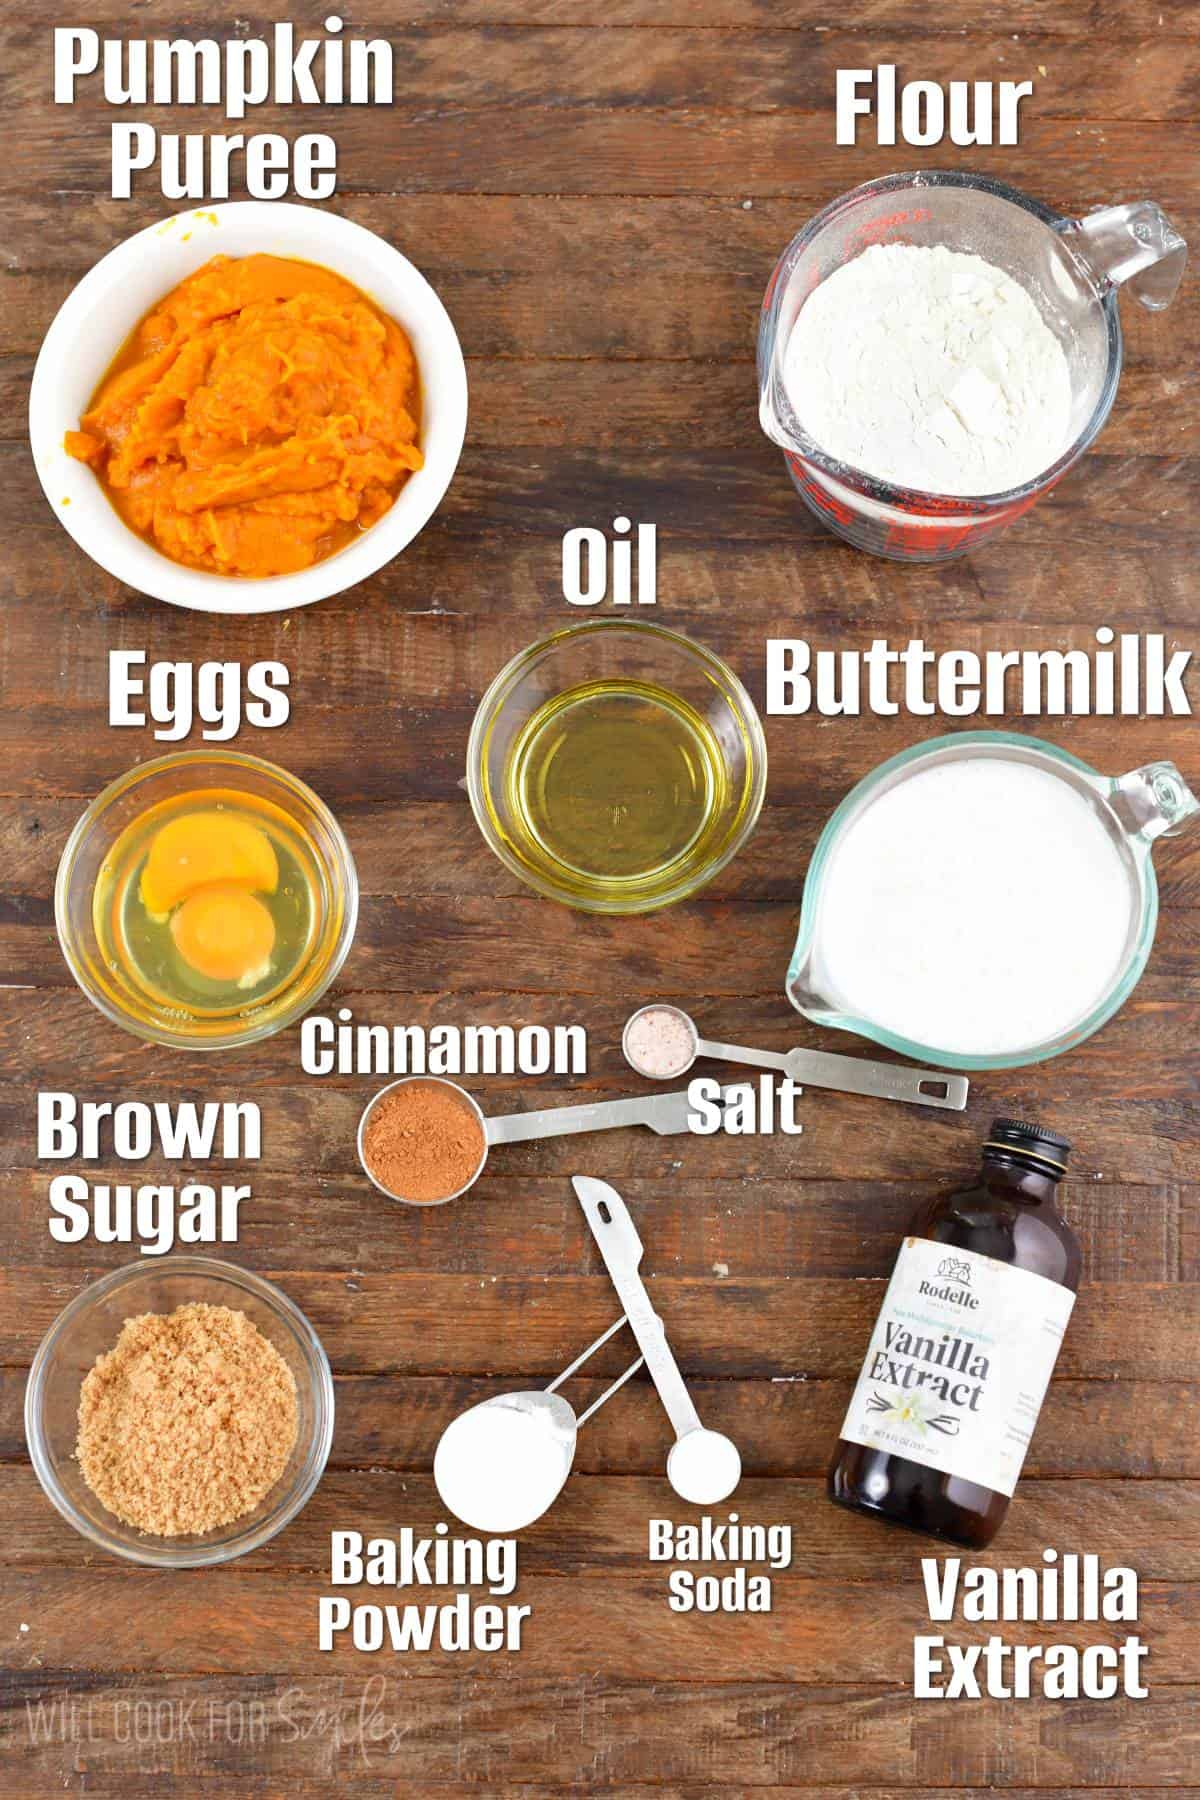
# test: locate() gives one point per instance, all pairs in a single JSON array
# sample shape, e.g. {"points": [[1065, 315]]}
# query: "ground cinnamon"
{"points": [[422, 1141]]}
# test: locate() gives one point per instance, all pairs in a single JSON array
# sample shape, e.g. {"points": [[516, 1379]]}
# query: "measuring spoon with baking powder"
{"points": [[500, 1465], [813, 1068]]}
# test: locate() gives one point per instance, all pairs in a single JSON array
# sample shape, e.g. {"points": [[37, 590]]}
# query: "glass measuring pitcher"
{"points": [[1072, 268], [1134, 810]]}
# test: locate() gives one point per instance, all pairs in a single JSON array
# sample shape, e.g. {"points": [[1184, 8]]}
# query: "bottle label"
{"points": [[959, 1363]]}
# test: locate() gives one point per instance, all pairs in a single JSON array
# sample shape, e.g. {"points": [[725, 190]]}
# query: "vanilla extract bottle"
{"points": [[964, 1347]]}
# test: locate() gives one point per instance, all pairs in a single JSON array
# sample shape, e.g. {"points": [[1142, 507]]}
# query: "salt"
{"points": [[659, 1042], [978, 907]]}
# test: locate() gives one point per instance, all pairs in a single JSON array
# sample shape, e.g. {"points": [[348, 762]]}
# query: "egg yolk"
{"points": [[200, 848], [225, 933]]}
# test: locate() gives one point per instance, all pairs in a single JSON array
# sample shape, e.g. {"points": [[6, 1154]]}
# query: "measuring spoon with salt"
{"points": [[661, 1042]]}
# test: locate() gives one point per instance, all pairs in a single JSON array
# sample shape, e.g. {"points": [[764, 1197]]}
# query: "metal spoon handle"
{"points": [[883, 1081], [666, 1114], [619, 1245], [564, 1121], [553, 1386], [609, 1391], [851, 1074], [739, 1053], [651, 1337]]}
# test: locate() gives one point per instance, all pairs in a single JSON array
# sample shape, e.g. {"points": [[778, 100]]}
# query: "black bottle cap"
{"points": [[1033, 1141]]}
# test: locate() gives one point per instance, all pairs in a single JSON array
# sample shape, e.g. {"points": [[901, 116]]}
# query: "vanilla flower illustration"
{"points": [[914, 1411]]}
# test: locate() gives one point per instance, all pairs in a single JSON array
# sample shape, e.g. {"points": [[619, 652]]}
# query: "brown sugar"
{"points": [[422, 1141], [187, 1421]]}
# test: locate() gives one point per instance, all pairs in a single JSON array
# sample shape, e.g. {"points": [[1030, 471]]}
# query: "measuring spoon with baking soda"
{"points": [[666, 1114], [704, 1466], [501, 1464], [661, 1042]]}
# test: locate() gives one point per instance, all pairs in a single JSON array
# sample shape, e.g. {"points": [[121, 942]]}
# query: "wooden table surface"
{"points": [[599, 193]]}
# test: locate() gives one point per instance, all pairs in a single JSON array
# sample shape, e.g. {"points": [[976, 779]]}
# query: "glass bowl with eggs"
{"points": [[206, 899]]}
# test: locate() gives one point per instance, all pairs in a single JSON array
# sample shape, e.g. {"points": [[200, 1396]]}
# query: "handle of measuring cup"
{"points": [[613, 1386], [1135, 245], [1154, 801]]}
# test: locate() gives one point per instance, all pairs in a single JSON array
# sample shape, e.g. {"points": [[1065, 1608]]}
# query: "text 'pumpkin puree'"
{"points": [[260, 416]]}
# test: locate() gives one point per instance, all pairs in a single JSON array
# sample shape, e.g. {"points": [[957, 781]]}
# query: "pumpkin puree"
{"points": [[260, 416]]}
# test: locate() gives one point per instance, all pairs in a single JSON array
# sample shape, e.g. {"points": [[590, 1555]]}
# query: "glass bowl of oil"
{"points": [[205, 900], [616, 766]]}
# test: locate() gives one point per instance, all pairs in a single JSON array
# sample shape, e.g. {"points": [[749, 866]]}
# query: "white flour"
{"points": [[931, 369], [978, 907]]}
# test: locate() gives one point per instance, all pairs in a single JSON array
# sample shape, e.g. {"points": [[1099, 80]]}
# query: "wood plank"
{"points": [[785, 1425], [408, 661], [418, 732], [415, 848], [696, 150], [600, 1526], [825, 1228], [625, 274], [1130, 1138], [419, 757], [883, 18], [530, 64], [812, 581], [457, 941], [1111, 506], [1137, 1139], [831, 1631], [1112, 500], [716, 1739], [628, 406], [427, 1323]]}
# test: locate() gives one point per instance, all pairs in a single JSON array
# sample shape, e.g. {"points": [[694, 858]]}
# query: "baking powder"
{"points": [[931, 369], [498, 1467]]}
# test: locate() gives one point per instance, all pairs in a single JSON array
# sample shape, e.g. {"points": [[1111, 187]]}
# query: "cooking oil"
{"points": [[208, 906], [616, 790]]}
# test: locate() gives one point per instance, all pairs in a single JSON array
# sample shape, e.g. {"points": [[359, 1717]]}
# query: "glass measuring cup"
{"points": [[1135, 810], [1072, 268]]}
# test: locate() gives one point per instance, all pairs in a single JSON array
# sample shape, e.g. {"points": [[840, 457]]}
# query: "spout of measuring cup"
{"points": [[1154, 801], [800, 986], [1133, 244]]}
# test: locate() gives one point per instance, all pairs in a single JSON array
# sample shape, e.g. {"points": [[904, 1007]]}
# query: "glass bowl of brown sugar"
{"points": [[233, 1332]]}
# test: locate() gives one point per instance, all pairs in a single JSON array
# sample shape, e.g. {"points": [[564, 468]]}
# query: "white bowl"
{"points": [[98, 316]]}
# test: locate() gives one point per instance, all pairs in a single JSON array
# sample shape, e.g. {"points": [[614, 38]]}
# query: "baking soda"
{"points": [[932, 369], [979, 907]]}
